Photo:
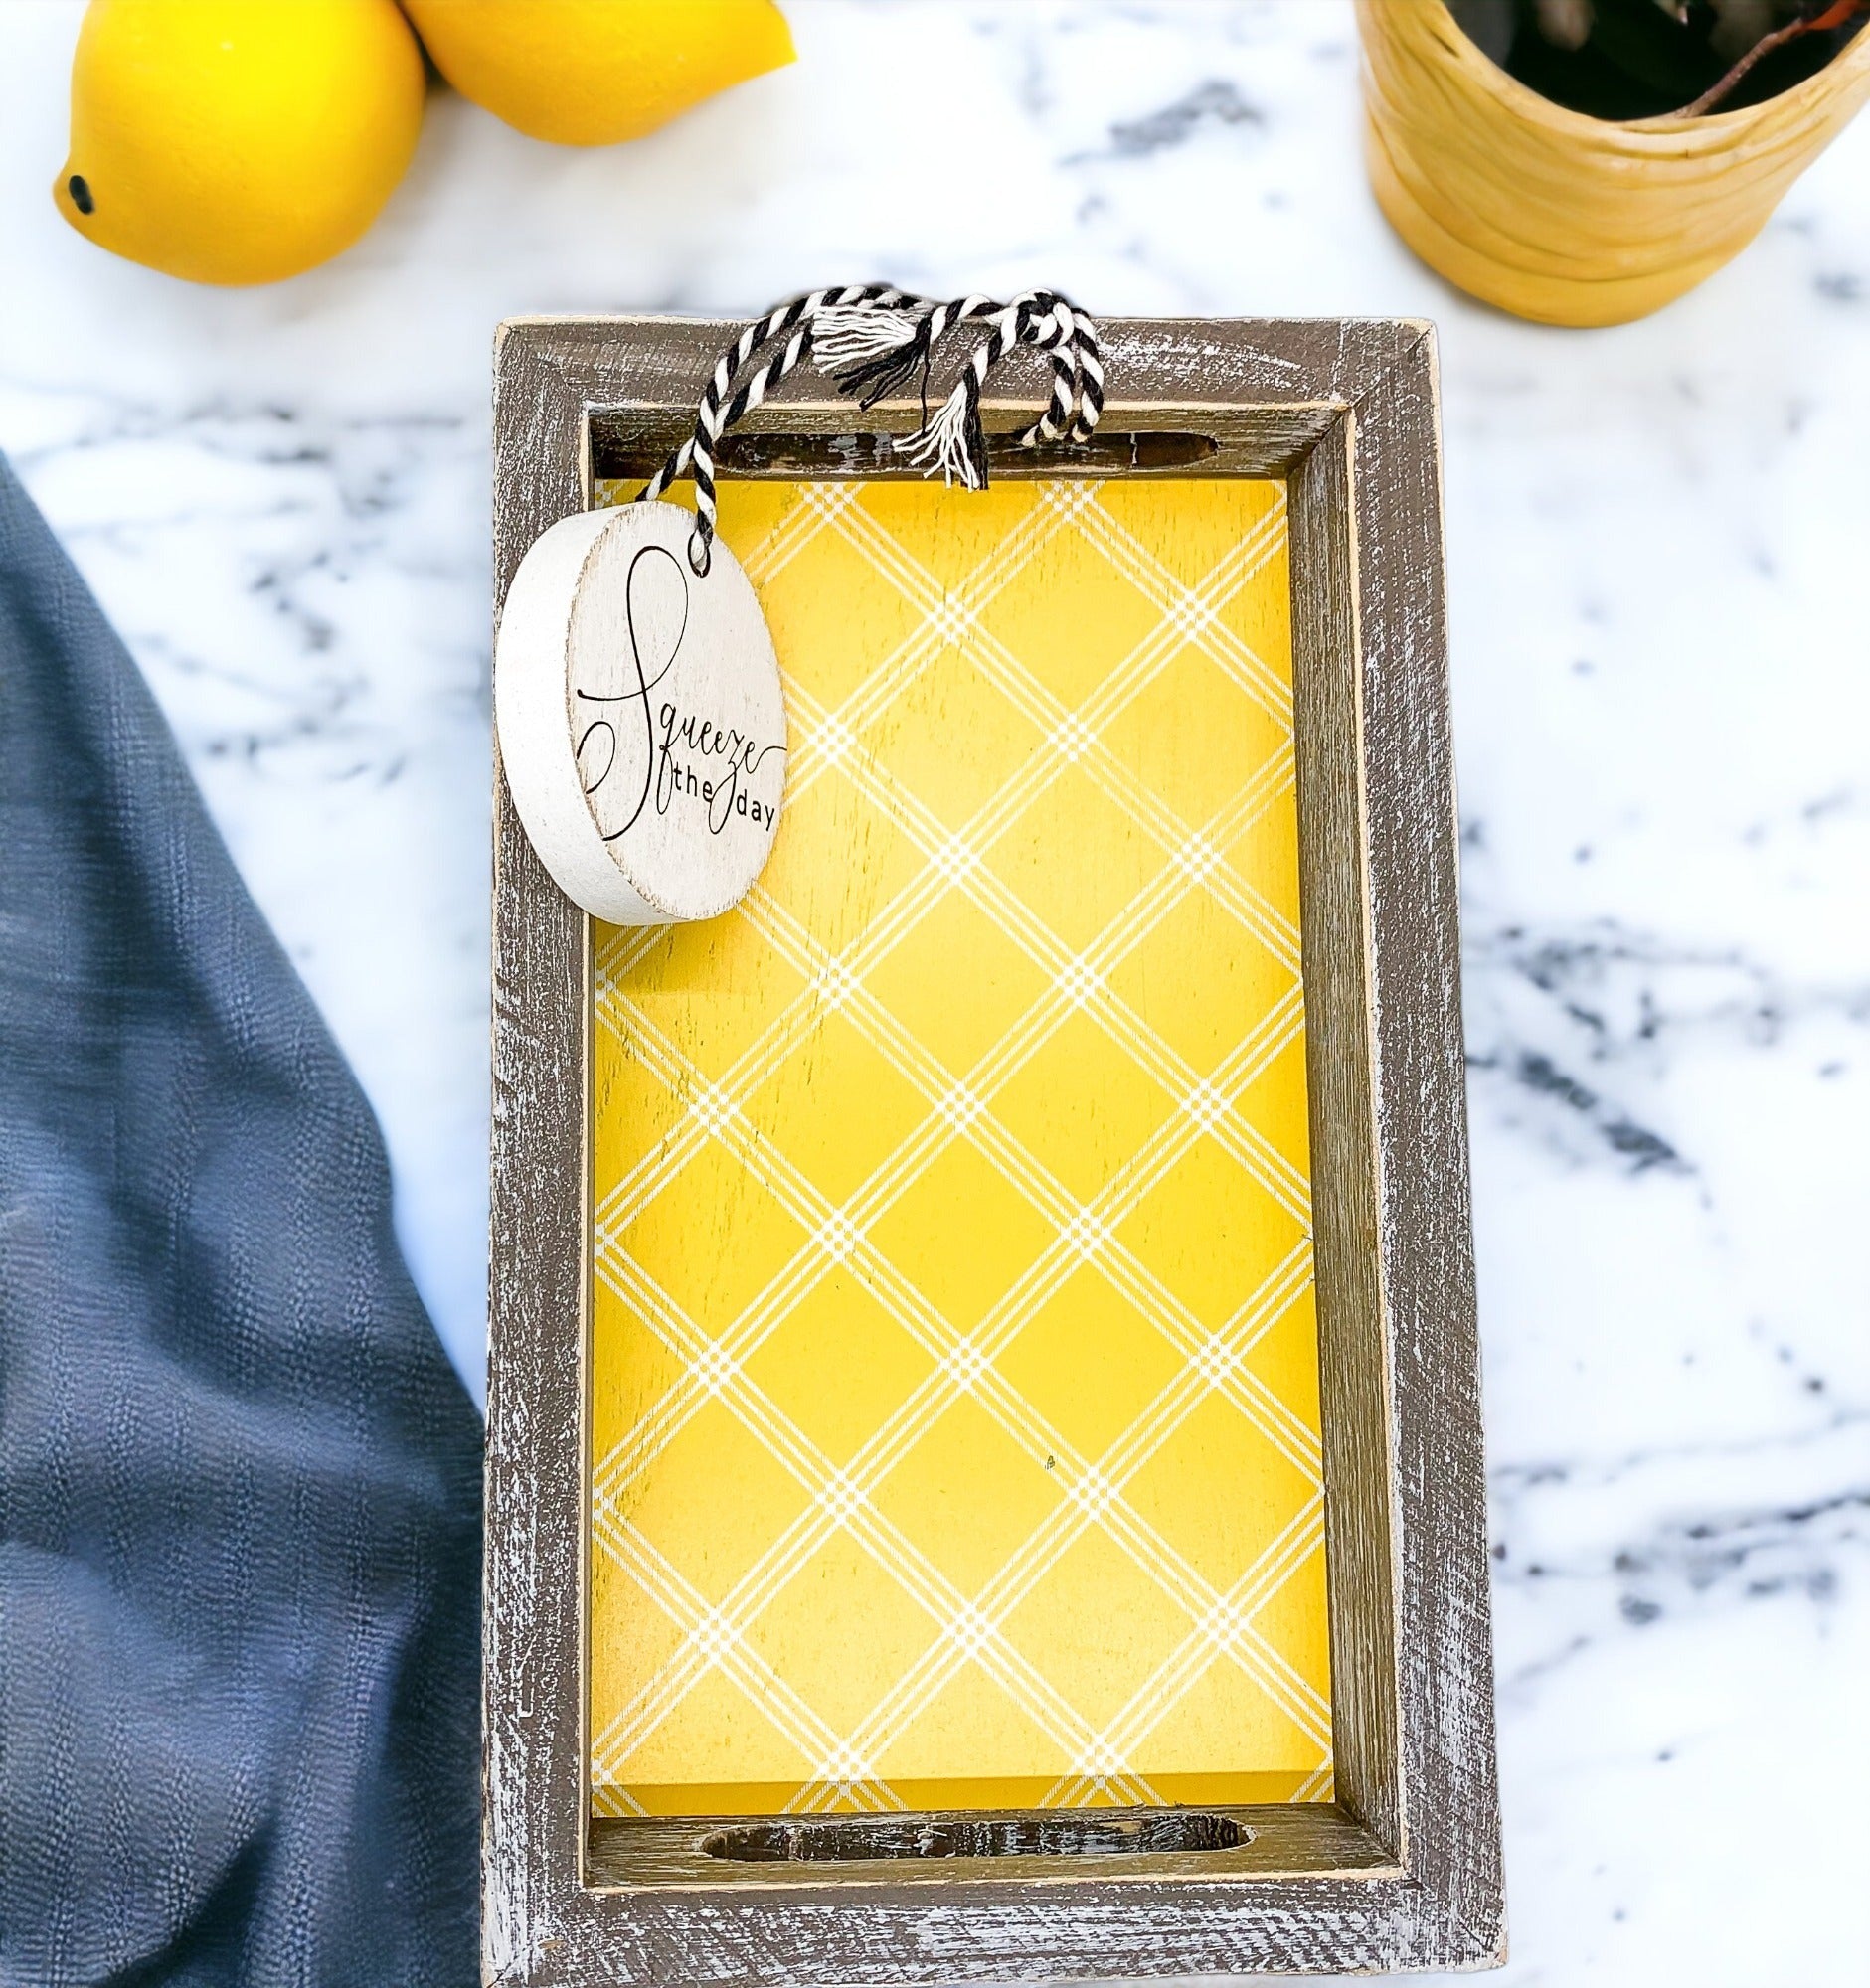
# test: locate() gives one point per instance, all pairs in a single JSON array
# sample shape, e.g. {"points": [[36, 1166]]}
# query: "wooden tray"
{"points": [[906, 1391]]}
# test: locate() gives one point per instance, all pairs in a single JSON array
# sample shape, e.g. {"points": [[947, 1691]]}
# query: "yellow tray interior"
{"points": [[955, 1379]]}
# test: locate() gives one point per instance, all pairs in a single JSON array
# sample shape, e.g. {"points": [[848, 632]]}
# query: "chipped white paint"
{"points": [[1405, 1871]]}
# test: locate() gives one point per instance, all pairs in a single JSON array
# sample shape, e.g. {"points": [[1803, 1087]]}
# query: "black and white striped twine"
{"points": [[871, 340]]}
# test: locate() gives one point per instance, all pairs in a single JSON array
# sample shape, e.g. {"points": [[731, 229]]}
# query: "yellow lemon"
{"points": [[594, 72], [238, 141]]}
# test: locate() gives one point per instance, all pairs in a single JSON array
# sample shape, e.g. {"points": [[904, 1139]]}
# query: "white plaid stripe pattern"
{"points": [[960, 1107]]}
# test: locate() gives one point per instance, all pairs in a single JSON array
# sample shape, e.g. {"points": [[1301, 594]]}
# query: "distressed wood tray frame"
{"points": [[1402, 1868]]}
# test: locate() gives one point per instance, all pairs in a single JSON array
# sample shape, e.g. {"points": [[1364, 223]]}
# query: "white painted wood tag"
{"points": [[640, 716]]}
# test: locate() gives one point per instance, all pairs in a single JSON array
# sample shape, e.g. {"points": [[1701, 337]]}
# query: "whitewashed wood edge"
{"points": [[1278, 388]]}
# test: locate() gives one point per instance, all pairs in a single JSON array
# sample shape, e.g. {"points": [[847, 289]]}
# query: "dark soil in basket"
{"points": [[1621, 59]]}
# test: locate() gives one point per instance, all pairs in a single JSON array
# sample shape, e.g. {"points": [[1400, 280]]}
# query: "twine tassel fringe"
{"points": [[870, 339], [951, 443]]}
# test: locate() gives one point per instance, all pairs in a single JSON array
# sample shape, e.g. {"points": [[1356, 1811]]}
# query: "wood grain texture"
{"points": [[1425, 1225], [1353, 1347], [1405, 1873]]}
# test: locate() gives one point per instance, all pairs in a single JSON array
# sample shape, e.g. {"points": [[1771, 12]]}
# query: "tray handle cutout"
{"points": [[1062, 1833], [1107, 452]]}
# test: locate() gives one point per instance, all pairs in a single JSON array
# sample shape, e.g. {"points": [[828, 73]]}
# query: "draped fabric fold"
{"points": [[240, 1527]]}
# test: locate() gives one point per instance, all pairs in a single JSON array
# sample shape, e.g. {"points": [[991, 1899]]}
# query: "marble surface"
{"points": [[1657, 538]]}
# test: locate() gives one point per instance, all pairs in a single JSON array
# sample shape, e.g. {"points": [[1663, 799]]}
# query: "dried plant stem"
{"points": [[1834, 16]]}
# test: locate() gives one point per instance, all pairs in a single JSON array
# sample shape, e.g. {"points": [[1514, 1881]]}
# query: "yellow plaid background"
{"points": [[956, 1367]]}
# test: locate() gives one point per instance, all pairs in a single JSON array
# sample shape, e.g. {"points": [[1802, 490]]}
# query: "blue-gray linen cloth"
{"points": [[238, 1480]]}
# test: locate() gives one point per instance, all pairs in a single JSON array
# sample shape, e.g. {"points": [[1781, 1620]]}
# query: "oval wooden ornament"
{"points": [[640, 716]]}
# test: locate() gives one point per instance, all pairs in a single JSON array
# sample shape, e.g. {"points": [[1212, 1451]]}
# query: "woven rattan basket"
{"points": [[1563, 217]]}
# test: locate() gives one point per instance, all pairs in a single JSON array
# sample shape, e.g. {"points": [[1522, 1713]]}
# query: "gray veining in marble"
{"points": [[1657, 537]]}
